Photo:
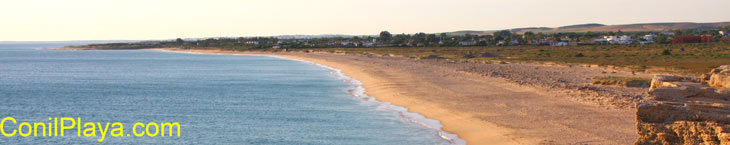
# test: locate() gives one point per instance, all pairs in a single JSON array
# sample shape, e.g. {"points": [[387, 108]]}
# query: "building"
{"points": [[649, 37], [467, 43], [692, 39], [544, 41], [624, 40], [706, 38], [610, 39], [560, 44], [252, 42], [500, 43], [615, 39]]}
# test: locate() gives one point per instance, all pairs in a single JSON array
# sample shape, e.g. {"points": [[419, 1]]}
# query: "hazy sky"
{"points": [[45, 20]]}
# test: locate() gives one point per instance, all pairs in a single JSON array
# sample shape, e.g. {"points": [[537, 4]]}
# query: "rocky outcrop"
{"points": [[685, 110], [719, 77]]}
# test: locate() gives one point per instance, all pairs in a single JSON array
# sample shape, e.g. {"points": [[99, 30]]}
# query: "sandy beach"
{"points": [[406, 72], [479, 108]]}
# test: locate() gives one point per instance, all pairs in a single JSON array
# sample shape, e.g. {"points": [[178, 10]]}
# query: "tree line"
{"points": [[386, 39]]}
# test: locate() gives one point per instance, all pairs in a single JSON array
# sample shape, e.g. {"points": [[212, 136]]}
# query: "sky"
{"points": [[60, 20]]}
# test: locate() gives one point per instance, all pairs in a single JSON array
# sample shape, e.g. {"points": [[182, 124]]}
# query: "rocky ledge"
{"points": [[686, 110]]}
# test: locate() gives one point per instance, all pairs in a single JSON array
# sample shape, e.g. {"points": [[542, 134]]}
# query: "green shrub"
{"points": [[579, 55], [666, 52]]}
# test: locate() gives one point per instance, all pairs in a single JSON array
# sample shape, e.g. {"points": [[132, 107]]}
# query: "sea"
{"points": [[216, 99]]}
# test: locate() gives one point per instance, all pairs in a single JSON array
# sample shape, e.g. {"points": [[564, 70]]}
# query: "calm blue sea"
{"points": [[218, 99]]}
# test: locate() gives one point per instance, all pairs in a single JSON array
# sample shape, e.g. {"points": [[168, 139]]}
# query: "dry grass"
{"points": [[623, 81], [688, 59]]}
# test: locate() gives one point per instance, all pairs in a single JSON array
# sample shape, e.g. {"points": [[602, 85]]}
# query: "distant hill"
{"points": [[469, 32], [581, 26], [594, 27], [531, 29], [643, 27]]}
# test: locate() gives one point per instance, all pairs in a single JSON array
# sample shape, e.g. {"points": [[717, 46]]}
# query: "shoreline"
{"points": [[471, 130], [412, 117], [480, 109], [360, 92]]}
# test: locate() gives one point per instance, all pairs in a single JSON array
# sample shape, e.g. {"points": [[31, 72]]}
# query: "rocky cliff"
{"points": [[686, 110]]}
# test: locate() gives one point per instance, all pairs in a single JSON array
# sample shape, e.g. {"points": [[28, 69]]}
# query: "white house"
{"points": [[615, 39], [649, 37], [611, 39], [624, 39]]}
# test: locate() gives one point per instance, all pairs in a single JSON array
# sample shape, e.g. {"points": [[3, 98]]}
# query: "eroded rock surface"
{"points": [[720, 77], [685, 110]]}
